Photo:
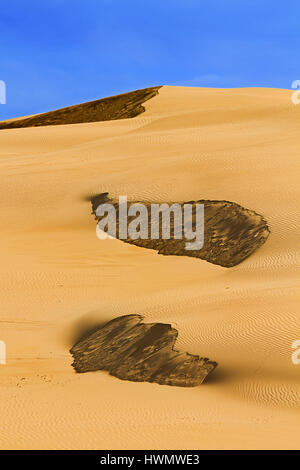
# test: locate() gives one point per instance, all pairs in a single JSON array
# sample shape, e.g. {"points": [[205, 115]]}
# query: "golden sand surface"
{"points": [[58, 278]]}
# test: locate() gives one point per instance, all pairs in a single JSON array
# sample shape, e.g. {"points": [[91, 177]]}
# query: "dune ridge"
{"points": [[126, 105]]}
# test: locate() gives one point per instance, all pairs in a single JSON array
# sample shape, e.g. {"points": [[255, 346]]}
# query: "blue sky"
{"points": [[56, 53]]}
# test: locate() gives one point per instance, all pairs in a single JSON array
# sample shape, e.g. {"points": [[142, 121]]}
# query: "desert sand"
{"points": [[58, 278]]}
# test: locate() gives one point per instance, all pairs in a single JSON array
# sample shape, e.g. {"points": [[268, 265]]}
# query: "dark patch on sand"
{"points": [[142, 352], [127, 105], [231, 232]]}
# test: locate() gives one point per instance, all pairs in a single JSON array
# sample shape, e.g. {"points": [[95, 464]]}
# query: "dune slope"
{"points": [[58, 280]]}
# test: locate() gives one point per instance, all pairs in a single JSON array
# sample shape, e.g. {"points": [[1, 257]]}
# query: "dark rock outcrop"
{"points": [[143, 352], [127, 105], [231, 232]]}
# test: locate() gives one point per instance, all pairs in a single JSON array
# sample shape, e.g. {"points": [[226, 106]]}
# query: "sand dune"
{"points": [[57, 277]]}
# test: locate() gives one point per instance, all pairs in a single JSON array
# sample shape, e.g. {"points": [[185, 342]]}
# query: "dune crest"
{"points": [[126, 105]]}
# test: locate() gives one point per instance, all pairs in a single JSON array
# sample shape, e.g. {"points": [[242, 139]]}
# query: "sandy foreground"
{"points": [[58, 278]]}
